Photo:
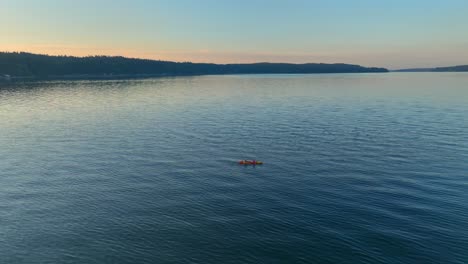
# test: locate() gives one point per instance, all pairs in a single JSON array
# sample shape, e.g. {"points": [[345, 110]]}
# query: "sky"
{"points": [[384, 33]]}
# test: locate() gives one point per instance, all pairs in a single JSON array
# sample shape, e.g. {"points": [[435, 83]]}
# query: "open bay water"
{"points": [[359, 168]]}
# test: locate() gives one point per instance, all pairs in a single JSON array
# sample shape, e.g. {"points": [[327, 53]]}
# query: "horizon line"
{"points": [[232, 63]]}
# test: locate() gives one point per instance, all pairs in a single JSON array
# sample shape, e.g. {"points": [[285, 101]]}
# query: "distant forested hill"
{"points": [[44, 66], [460, 68]]}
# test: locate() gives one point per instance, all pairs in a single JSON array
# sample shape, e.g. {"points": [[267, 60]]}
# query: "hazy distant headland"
{"points": [[21, 65], [459, 68]]}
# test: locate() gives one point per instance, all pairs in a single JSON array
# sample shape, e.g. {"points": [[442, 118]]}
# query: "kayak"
{"points": [[250, 162]]}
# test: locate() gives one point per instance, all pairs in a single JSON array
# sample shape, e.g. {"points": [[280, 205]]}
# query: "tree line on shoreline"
{"points": [[22, 64]]}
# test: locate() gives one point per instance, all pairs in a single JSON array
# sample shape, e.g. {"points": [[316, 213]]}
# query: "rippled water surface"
{"points": [[359, 168]]}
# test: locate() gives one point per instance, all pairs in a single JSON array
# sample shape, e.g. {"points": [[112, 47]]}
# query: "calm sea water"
{"points": [[359, 168]]}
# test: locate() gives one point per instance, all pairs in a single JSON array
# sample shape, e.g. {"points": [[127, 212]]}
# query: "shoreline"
{"points": [[142, 76]]}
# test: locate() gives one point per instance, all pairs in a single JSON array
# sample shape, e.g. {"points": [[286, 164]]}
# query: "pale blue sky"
{"points": [[393, 34]]}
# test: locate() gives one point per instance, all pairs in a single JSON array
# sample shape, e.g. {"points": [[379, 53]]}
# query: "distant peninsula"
{"points": [[459, 68], [22, 65]]}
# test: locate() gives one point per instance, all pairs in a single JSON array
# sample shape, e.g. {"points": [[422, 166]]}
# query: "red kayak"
{"points": [[250, 162]]}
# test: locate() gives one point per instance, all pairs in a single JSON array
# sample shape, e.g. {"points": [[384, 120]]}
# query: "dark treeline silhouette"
{"points": [[459, 68], [21, 64]]}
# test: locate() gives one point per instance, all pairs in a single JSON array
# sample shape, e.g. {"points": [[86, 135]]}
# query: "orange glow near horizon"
{"points": [[170, 55]]}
